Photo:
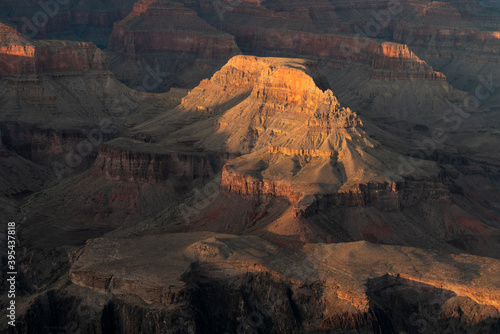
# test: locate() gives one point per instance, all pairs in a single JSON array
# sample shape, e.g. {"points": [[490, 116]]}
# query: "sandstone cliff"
{"points": [[325, 287], [20, 55], [382, 79], [168, 36], [88, 20], [138, 166], [296, 142], [296, 139]]}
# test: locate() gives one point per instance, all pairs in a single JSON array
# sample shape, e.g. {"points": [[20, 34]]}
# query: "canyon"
{"points": [[252, 166]]}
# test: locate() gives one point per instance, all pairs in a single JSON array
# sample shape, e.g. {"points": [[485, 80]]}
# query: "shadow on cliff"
{"points": [[401, 305], [260, 302], [227, 299]]}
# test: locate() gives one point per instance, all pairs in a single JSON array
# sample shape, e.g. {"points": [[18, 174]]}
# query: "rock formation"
{"points": [[296, 140], [90, 20], [377, 55], [115, 163], [346, 286], [167, 36], [20, 55], [48, 92], [350, 187]]}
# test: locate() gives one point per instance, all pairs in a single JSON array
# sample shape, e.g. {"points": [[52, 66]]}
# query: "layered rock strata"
{"points": [[115, 163], [20, 55], [296, 140]]}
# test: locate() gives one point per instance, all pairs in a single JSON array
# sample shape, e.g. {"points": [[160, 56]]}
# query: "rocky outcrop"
{"points": [[274, 31], [67, 86], [295, 140], [19, 55], [245, 185], [393, 196], [115, 163], [164, 26], [207, 271], [386, 61], [271, 32], [166, 37], [390, 196], [449, 43], [74, 20]]}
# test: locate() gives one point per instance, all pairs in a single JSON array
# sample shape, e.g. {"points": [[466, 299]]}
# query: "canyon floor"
{"points": [[251, 166]]}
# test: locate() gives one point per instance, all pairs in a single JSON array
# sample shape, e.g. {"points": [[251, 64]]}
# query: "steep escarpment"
{"points": [[370, 71], [116, 163], [88, 20], [315, 30], [385, 61], [19, 175], [296, 142], [389, 196], [294, 135], [64, 85], [207, 271], [368, 49], [20, 55], [261, 29], [167, 36], [151, 22], [59, 102]]}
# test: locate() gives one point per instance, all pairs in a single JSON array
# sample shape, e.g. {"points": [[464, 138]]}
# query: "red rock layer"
{"points": [[164, 26], [241, 184], [51, 57], [63, 14], [310, 29], [19, 55], [380, 57], [145, 167], [392, 196], [469, 43]]}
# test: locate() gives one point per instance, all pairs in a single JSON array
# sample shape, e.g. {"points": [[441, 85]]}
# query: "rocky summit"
{"points": [[196, 166]]}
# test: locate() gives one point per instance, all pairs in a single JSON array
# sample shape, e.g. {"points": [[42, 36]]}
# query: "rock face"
{"points": [[20, 55], [296, 140], [168, 27], [366, 73], [134, 166], [333, 35], [324, 288], [90, 20], [284, 153], [59, 102], [385, 61], [168, 36], [260, 29]]}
